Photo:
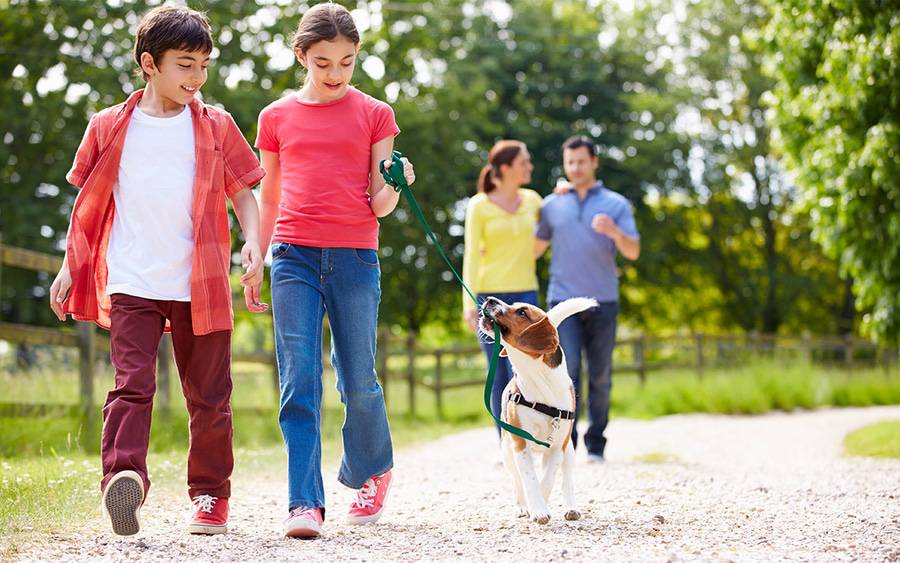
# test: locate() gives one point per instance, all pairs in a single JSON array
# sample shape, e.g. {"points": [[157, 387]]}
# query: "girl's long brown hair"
{"points": [[324, 22]]}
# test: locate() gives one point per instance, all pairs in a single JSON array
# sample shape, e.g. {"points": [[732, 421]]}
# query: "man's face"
{"points": [[580, 165], [179, 74]]}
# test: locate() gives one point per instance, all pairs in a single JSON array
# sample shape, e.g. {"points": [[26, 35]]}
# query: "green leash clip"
{"points": [[393, 176]]}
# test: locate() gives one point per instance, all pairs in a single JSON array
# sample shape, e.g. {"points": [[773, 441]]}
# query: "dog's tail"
{"points": [[569, 307]]}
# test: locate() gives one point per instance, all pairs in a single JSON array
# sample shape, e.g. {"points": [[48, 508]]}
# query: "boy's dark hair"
{"points": [[324, 22], [579, 141], [171, 27]]}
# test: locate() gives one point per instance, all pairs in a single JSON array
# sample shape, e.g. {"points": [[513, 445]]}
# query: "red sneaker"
{"points": [[303, 522], [370, 500], [211, 516]]}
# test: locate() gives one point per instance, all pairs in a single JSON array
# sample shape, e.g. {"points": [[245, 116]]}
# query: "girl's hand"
{"points": [[59, 290], [251, 299], [409, 171]]}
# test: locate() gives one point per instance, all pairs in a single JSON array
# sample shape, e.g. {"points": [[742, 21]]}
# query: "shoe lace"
{"points": [[365, 498], [301, 511], [205, 503]]}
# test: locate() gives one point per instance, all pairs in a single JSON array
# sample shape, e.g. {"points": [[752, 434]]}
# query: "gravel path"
{"points": [[694, 487]]}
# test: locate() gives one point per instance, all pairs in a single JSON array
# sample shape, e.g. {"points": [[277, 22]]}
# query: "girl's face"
{"points": [[519, 170], [329, 66]]}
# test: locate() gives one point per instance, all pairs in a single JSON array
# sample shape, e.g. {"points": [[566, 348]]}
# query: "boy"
{"points": [[148, 250]]}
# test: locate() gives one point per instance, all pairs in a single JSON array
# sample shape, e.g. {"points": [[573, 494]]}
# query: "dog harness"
{"points": [[552, 412]]}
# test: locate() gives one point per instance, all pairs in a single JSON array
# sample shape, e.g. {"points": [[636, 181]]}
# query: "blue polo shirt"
{"points": [[583, 263]]}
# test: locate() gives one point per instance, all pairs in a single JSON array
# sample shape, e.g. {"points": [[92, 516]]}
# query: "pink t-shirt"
{"points": [[326, 152]]}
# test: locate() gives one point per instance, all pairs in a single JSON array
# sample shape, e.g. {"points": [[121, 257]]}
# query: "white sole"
{"points": [[307, 530], [207, 529], [122, 499]]}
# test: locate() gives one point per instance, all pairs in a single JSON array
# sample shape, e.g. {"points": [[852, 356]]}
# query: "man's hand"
{"points": [[604, 225], [563, 186], [59, 290]]}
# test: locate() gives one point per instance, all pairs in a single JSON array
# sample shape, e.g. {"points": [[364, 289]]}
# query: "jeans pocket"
{"points": [[367, 257], [279, 248]]}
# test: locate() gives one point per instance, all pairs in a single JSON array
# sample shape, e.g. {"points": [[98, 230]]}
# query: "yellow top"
{"points": [[499, 254]]}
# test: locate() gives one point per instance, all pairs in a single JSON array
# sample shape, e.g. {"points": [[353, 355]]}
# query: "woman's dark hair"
{"points": [[579, 141], [503, 152], [324, 22], [170, 27]]}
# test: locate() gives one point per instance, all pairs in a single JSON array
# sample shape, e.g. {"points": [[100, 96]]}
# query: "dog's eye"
{"points": [[522, 313]]}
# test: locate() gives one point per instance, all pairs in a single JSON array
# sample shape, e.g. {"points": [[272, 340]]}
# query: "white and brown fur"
{"points": [[531, 342]]}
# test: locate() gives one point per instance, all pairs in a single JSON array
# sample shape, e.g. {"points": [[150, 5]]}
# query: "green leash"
{"points": [[393, 175]]}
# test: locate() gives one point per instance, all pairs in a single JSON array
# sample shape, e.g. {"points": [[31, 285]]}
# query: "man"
{"points": [[587, 224]]}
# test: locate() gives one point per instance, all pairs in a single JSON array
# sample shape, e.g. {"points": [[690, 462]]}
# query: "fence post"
{"points": [[698, 338], [86, 345], [638, 354], [381, 358], [437, 384], [848, 349], [411, 371], [163, 371]]}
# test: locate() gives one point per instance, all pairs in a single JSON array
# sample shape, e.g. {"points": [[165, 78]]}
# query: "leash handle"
{"points": [[393, 176]]}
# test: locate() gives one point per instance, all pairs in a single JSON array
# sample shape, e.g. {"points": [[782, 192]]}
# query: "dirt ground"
{"points": [[692, 487]]}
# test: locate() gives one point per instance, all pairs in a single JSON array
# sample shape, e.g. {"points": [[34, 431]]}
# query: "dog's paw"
{"points": [[540, 517], [521, 512], [573, 515]]}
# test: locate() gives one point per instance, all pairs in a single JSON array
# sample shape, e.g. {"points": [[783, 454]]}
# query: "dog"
{"points": [[540, 399]]}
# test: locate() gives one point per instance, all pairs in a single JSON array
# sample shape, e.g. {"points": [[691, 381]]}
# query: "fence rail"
{"points": [[647, 353]]}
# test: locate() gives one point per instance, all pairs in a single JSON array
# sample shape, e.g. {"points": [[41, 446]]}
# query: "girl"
{"points": [[499, 240], [320, 148]]}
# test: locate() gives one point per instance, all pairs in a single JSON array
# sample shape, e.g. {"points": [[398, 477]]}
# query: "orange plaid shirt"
{"points": [[225, 165]]}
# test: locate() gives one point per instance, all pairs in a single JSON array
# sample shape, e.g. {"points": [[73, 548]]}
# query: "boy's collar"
{"points": [[197, 107]]}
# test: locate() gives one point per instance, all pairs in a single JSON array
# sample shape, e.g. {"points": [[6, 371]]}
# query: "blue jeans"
{"points": [[504, 368], [593, 332], [345, 282]]}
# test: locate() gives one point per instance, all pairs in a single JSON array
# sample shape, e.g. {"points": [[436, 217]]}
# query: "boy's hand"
{"points": [[251, 299], [60, 290], [252, 261]]}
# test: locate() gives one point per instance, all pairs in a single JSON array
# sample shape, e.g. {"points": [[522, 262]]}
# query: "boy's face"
{"points": [[580, 165], [179, 74], [329, 66]]}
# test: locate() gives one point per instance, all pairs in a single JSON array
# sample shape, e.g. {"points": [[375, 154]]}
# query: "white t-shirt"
{"points": [[152, 240]]}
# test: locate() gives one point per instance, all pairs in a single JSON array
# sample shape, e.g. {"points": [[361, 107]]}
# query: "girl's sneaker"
{"points": [[122, 500], [303, 522], [211, 516], [370, 500]]}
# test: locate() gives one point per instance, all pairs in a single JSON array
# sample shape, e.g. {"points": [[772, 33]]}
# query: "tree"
{"points": [[837, 118]]}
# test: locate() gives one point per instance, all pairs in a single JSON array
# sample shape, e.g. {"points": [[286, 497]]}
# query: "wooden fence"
{"points": [[641, 354]]}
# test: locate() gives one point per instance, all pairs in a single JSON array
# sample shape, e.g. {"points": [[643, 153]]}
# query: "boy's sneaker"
{"points": [[370, 500], [211, 516], [303, 522], [122, 500]]}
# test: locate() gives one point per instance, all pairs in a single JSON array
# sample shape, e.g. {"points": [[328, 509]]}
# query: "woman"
{"points": [[499, 257]]}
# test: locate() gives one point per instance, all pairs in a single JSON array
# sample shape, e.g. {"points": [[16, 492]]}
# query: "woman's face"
{"points": [[329, 66], [519, 170]]}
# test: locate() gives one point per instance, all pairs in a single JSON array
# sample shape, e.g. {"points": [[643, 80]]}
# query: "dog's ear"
{"points": [[539, 339]]}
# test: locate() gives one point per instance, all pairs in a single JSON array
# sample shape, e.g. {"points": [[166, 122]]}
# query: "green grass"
{"points": [[881, 439]]}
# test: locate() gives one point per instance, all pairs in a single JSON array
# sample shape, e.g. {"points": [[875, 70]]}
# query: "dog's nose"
{"points": [[492, 304]]}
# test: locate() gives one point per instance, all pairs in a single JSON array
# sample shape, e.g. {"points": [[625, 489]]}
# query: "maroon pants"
{"points": [[204, 365]]}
